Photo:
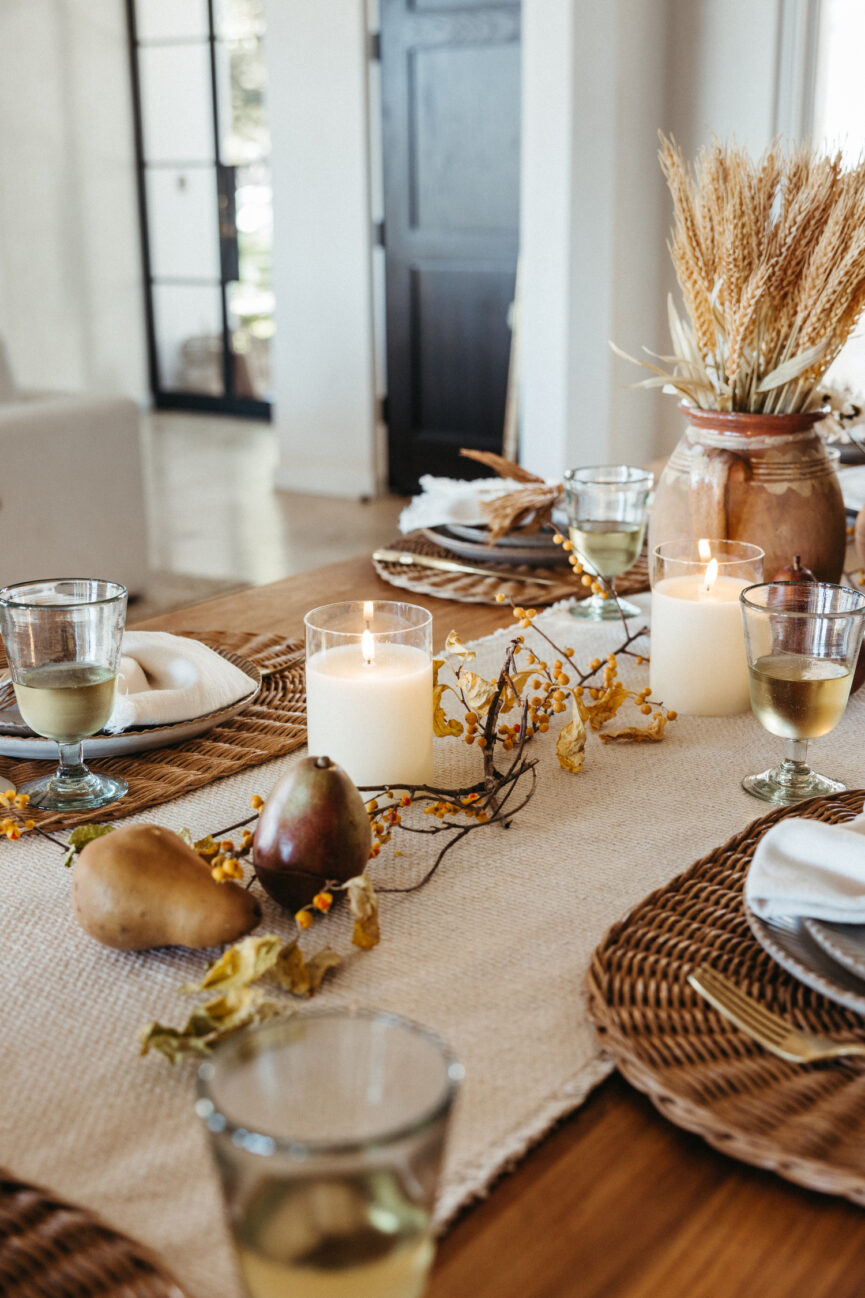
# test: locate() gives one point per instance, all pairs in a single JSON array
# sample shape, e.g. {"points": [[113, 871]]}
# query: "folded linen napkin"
{"points": [[453, 500], [803, 867], [165, 678]]}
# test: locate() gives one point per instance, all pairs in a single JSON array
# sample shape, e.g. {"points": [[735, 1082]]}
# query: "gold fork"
{"points": [[766, 1028]]}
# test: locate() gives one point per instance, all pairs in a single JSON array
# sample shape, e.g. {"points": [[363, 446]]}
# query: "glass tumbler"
{"points": [[328, 1131], [62, 639], [607, 513]]}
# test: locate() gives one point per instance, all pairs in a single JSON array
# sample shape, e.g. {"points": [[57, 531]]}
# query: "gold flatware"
{"points": [[767, 1029], [450, 565]]}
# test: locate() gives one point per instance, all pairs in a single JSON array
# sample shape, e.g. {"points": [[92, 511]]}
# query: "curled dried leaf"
{"points": [[455, 646], [240, 965], [80, 837], [479, 693], [300, 976], [509, 698], [571, 743], [209, 1023], [651, 733], [363, 904], [441, 724], [601, 710]]}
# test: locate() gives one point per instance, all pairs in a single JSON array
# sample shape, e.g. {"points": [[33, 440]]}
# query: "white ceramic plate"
{"points": [[787, 941], [843, 943], [17, 740]]}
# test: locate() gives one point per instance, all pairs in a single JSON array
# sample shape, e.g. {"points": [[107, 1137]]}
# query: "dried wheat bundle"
{"points": [[770, 258]]}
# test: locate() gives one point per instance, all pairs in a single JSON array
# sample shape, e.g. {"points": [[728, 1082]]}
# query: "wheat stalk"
{"points": [[770, 259]]}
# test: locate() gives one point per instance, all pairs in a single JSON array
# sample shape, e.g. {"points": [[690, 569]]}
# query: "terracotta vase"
{"points": [[752, 477]]}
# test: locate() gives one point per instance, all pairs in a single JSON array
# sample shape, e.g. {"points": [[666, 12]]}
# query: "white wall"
{"points": [[70, 268], [324, 395]]}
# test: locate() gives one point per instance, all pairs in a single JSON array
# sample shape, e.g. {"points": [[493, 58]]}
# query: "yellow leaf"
{"points": [[300, 976], [652, 733], [479, 692], [601, 710], [240, 965], [209, 1023], [441, 725], [455, 646], [520, 680], [571, 743], [363, 904]]}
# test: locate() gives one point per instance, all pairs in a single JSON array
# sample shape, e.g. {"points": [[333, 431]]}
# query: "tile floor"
{"points": [[215, 514]]}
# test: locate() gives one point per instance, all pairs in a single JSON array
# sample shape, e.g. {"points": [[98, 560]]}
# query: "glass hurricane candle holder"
{"points": [[62, 639], [369, 690], [328, 1131], [697, 661], [607, 510], [802, 641]]}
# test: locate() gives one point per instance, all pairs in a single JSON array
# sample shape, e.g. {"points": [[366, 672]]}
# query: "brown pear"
{"points": [[313, 829], [141, 887]]}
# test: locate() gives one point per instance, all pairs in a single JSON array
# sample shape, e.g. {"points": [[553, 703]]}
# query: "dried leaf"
{"points": [[209, 1023], [479, 692], [441, 725], [240, 965], [795, 366], [455, 646], [520, 680], [652, 733], [504, 468], [300, 976], [205, 847], [363, 904], [599, 711], [571, 743], [81, 836]]}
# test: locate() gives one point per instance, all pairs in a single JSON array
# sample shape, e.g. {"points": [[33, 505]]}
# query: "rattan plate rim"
{"points": [[801, 1122]]}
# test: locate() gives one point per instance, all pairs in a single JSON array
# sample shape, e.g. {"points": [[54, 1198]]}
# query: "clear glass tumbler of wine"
{"points": [[62, 639], [802, 641], [607, 512], [328, 1131]]}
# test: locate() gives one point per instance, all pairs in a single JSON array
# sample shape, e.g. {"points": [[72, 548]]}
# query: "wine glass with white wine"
{"points": [[802, 641], [62, 639], [607, 513]]}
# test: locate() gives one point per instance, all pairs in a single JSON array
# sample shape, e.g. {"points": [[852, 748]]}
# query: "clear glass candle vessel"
{"points": [[802, 641], [328, 1131], [62, 639], [607, 510], [369, 690], [697, 661]]}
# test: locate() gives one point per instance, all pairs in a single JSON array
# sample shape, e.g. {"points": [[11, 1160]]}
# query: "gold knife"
{"points": [[406, 557]]}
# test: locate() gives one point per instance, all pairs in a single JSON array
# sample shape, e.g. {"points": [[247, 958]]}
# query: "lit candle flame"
{"points": [[711, 576], [367, 648], [704, 549], [368, 609]]}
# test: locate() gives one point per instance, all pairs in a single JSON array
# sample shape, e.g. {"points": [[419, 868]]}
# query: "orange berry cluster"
{"points": [[225, 864], [587, 579], [383, 820], [11, 827], [465, 807], [322, 902]]}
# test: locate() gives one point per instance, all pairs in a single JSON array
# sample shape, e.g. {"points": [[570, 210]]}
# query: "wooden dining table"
{"points": [[615, 1202]]}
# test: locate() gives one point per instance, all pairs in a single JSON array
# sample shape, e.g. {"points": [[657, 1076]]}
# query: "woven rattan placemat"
{"points": [[271, 726], [467, 588], [804, 1121], [52, 1248]]}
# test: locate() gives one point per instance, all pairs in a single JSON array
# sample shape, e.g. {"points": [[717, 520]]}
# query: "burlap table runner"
{"points": [[492, 955]]}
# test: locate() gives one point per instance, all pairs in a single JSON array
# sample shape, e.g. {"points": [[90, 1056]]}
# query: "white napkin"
{"points": [[165, 678], [453, 500], [803, 867]]}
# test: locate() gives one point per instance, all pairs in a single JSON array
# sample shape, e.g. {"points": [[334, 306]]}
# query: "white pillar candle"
{"points": [[697, 662], [369, 697]]}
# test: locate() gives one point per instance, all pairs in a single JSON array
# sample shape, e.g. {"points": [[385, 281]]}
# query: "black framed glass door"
{"points": [[203, 151]]}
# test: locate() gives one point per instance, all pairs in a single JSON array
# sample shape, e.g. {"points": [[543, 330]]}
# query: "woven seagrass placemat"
{"points": [[50, 1247], [271, 726], [806, 1122], [468, 588]]}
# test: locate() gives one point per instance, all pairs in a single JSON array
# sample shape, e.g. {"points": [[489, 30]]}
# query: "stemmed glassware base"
{"points": [[73, 786], [596, 609], [789, 782]]}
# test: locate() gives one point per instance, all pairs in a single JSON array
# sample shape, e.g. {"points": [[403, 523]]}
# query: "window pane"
{"points": [[250, 313], [176, 103], [170, 20], [181, 206], [238, 19], [188, 325], [241, 83]]}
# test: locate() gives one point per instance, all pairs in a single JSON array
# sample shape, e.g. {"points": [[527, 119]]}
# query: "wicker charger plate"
{"points": [[52, 1249], [272, 725], [468, 588], [806, 1122]]}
